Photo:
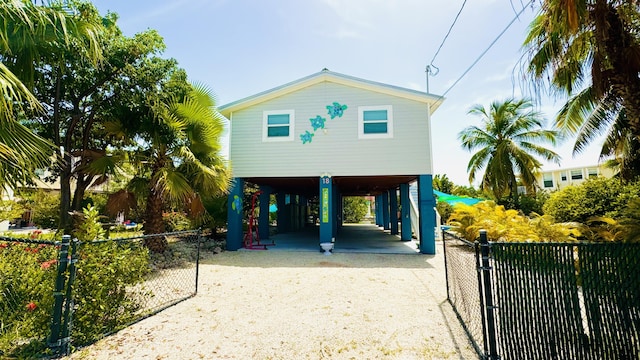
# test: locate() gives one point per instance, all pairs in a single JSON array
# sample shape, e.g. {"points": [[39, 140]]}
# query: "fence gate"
{"points": [[547, 300]]}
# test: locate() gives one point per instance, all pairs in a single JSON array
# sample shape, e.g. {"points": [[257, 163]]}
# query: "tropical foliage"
{"points": [[508, 144], [177, 157], [32, 36], [509, 225], [596, 197], [590, 51]]}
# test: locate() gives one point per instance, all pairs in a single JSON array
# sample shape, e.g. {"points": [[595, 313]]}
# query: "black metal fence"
{"points": [[545, 300], [56, 295]]}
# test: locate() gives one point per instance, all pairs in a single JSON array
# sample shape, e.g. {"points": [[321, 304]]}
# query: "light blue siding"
{"points": [[335, 149]]}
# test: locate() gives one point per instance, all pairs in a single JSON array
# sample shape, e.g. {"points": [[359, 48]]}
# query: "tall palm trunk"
{"points": [[153, 214], [623, 75]]}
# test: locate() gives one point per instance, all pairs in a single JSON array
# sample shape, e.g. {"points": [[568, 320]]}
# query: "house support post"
{"points": [[378, 210], [303, 211], [327, 217], [405, 215], [385, 211], [393, 216], [234, 215], [426, 208], [263, 218], [337, 211], [284, 213]]}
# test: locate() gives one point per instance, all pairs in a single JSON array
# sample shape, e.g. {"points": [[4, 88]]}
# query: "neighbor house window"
{"points": [[548, 180], [563, 176], [576, 174], [278, 125], [375, 122], [593, 173]]}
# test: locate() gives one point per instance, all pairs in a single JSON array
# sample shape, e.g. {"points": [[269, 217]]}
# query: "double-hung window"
{"points": [[277, 125], [547, 180], [576, 174], [375, 122]]}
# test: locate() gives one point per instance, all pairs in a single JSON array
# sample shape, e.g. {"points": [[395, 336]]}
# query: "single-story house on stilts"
{"points": [[330, 135]]}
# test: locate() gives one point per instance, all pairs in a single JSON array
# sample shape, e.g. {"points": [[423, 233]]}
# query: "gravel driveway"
{"points": [[302, 305]]}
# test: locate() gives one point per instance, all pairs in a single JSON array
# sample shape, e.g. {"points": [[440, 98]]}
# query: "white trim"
{"points": [[265, 126], [389, 122]]}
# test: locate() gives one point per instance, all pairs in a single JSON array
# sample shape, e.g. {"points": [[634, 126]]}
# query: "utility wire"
{"points": [[488, 48], [447, 35]]}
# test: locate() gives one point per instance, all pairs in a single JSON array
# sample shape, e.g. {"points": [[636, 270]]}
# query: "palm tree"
{"points": [[179, 160], [590, 51], [28, 33], [507, 143]]}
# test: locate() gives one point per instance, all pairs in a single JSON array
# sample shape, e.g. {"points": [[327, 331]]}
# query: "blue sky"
{"points": [[241, 47]]}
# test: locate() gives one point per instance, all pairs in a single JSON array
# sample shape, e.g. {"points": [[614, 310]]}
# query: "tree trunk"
{"points": [[615, 43], [65, 195], [153, 222], [153, 215]]}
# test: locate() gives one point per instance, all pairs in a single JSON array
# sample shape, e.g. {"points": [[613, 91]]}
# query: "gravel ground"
{"points": [[302, 305]]}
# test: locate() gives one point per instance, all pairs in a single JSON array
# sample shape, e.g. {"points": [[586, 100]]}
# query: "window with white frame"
{"points": [[563, 176], [375, 122], [277, 125], [576, 174], [547, 179], [592, 172]]}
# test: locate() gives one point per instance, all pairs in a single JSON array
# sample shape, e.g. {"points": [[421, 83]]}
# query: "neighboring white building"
{"points": [[561, 178]]}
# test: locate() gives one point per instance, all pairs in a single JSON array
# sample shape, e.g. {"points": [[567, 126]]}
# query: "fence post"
{"points": [[54, 338], [65, 340], [446, 270], [199, 234], [492, 340]]}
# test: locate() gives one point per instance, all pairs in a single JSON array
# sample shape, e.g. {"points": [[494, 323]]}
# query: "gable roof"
{"points": [[330, 76]]}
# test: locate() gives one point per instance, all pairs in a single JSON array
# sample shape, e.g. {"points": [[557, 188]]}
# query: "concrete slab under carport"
{"points": [[352, 238]]}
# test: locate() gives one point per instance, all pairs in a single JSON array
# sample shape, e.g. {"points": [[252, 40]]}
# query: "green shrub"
{"points": [[355, 208], [104, 291], [176, 221], [44, 206], [27, 278], [594, 198], [530, 204], [107, 270], [508, 225], [445, 210]]}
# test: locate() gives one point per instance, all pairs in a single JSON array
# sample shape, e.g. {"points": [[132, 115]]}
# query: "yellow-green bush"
{"points": [[508, 225]]}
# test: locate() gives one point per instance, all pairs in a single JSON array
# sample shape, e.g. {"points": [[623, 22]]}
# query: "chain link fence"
{"points": [[463, 289], [547, 300], [59, 295]]}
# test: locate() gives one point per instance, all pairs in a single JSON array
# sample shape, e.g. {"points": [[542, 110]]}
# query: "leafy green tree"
{"points": [[507, 144], [83, 99], [442, 183], [355, 208], [470, 191], [30, 37], [589, 51]]}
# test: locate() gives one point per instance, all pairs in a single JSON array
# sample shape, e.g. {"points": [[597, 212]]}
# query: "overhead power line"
{"points": [[488, 48], [446, 36]]}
